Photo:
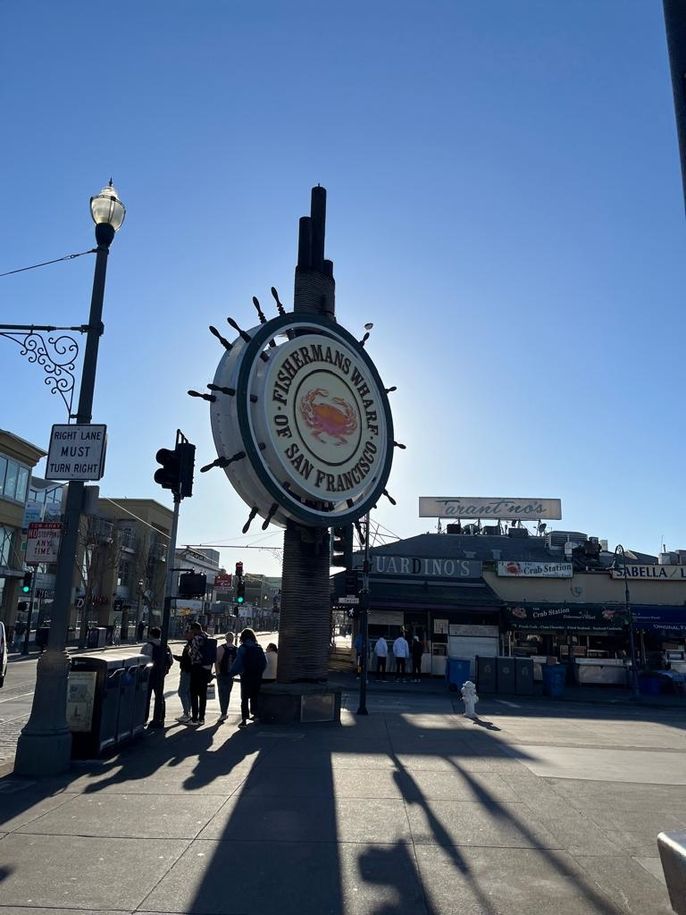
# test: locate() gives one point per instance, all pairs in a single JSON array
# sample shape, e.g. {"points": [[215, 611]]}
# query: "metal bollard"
{"points": [[672, 848], [470, 698]]}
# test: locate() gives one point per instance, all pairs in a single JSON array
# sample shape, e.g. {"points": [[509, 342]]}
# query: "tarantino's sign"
{"points": [[513, 569], [324, 416], [503, 509]]}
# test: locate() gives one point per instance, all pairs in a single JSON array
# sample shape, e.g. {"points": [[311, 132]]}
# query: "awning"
{"points": [[652, 618], [578, 617], [398, 592]]}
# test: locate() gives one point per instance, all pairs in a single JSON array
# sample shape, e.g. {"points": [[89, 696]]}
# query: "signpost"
{"points": [[43, 543], [76, 452]]}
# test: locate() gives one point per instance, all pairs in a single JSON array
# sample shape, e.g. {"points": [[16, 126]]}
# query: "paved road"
{"points": [[16, 695]]}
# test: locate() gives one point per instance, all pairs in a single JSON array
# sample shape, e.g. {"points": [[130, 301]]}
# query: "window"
{"points": [[22, 483], [5, 544], [14, 480]]}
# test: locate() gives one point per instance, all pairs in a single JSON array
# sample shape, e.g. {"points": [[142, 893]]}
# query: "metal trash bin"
{"points": [[486, 677], [101, 702], [554, 677], [140, 699], [457, 672], [524, 676], [505, 671]]}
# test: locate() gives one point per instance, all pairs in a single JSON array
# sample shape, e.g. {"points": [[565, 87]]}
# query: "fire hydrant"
{"points": [[470, 698]]}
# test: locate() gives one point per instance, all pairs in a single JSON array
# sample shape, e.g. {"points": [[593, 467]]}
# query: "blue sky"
{"points": [[504, 203]]}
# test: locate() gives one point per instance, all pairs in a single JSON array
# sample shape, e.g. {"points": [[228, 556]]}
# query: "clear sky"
{"points": [[504, 203]]}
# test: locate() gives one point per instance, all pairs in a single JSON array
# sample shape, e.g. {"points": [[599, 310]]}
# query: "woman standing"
{"points": [[226, 655], [271, 653]]}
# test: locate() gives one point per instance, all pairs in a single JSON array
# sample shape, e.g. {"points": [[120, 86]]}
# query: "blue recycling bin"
{"points": [[457, 672], [554, 676]]}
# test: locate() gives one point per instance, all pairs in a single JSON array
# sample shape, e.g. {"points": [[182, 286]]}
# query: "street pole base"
{"points": [[43, 754]]}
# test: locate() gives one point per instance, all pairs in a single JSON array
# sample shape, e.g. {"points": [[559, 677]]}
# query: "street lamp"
{"points": [[44, 746], [619, 550]]}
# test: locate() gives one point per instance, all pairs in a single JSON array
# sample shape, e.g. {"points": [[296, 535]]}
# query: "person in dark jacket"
{"points": [[161, 662], [226, 655], [250, 664], [184, 690], [201, 672]]}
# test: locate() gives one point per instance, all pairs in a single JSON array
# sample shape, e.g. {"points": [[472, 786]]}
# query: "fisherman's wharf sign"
{"points": [[311, 418]]}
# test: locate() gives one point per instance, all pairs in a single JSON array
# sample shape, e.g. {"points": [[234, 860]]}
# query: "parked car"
{"points": [[3, 654]]}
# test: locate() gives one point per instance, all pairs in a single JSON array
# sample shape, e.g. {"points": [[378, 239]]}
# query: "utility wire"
{"points": [[67, 257]]}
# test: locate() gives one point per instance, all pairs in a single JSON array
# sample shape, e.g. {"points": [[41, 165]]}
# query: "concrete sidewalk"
{"points": [[413, 810]]}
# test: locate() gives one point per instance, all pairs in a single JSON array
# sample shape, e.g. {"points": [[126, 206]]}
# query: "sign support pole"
{"points": [[364, 622], [158, 713]]}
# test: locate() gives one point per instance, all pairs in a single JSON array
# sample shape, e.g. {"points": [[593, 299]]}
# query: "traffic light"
{"points": [[239, 570], [235, 611], [342, 546], [176, 472], [352, 582], [240, 591], [26, 584]]}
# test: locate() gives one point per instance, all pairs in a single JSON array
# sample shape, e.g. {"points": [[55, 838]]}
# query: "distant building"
{"points": [[17, 459]]}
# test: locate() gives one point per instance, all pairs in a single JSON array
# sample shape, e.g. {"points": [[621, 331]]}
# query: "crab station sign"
{"points": [[313, 418]]}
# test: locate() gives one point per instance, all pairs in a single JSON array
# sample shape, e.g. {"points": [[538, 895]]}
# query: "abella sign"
{"points": [[313, 418]]}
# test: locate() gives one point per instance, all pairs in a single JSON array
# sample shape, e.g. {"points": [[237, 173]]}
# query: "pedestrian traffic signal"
{"points": [[176, 472], [26, 584], [239, 570], [342, 546], [240, 591]]}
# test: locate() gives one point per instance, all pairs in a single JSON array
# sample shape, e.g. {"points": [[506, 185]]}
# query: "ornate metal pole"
{"points": [[44, 746]]}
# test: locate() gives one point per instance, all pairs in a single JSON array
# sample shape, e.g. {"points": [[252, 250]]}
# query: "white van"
{"points": [[3, 654]]}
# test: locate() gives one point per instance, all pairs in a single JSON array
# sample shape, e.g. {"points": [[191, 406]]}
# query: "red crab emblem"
{"points": [[334, 417]]}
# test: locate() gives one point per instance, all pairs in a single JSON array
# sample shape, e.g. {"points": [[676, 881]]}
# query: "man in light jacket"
{"points": [[381, 652], [401, 652]]}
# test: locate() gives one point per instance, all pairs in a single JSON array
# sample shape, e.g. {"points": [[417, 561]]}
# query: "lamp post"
{"points": [[619, 550], [44, 746]]}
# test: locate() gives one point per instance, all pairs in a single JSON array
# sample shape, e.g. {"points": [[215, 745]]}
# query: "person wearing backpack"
{"points": [[202, 652], [250, 664], [162, 660], [226, 655]]}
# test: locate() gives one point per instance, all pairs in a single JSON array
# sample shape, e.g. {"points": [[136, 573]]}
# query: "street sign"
{"points": [[351, 599], [76, 452], [43, 542], [222, 581]]}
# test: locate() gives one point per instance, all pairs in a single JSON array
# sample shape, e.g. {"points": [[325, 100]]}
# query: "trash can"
{"points": [[554, 676], [457, 672], [101, 702], [96, 637], [505, 670], [524, 676], [486, 677]]}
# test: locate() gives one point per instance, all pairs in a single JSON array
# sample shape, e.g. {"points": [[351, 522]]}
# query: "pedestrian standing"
{"points": [[201, 657], [162, 660], [381, 652], [271, 653], [184, 690], [226, 655], [401, 652], [417, 650], [250, 664]]}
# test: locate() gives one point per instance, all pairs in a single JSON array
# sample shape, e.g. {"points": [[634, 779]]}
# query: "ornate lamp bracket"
{"points": [[55, 352]]}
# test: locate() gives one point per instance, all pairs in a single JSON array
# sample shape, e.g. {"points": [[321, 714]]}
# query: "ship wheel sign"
{"points": [[301, 421]]}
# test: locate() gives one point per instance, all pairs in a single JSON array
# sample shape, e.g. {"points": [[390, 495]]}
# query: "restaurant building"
{"points": [[515, 592]]}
